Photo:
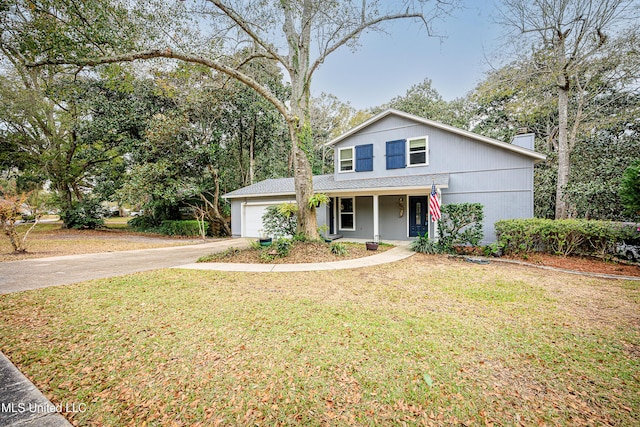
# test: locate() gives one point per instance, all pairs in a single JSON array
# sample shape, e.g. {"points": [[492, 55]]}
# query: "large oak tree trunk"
{"points": [[299, 119], [303, 182], [336, 24], [562, 204]]}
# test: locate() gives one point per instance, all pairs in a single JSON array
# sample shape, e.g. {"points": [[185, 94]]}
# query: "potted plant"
{"points": [[318, 199], [264, 240], [372, 246]]}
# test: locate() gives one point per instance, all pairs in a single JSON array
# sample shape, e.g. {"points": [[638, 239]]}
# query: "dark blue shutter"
{"points": [[364, 158], [396, 153]]}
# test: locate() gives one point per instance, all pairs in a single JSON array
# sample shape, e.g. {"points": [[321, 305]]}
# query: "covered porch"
{"points": [[380, 214]]}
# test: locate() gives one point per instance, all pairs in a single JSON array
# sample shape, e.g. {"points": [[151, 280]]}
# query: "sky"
{"points": [[386, 65]]}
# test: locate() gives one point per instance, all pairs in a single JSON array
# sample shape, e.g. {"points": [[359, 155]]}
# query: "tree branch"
{"points": [[168, 53], [356, 31], [235, 17]]}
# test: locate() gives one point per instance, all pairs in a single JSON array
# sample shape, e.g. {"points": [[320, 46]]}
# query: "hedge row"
{"points": [[182, 228], [564, 237]]}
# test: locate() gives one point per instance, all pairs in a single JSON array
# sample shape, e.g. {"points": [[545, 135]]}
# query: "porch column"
{"points": [[376, 225]]}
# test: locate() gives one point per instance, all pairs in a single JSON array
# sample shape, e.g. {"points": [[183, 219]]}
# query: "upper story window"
{"points": [[417, 151], [403, 153], [345, 156]]}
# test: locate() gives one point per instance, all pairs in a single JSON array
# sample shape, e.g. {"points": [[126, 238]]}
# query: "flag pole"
{"points": [[434, 207]]}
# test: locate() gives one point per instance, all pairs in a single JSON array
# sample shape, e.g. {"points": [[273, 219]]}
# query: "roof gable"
{"points": [[474, 136]]}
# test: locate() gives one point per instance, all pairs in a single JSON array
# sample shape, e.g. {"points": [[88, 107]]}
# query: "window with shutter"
{"points": [[364, 158], [346, 159], [418, 151], [396, 154]]}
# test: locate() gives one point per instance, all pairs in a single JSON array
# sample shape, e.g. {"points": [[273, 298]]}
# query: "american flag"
{"points": [[434, 204]]}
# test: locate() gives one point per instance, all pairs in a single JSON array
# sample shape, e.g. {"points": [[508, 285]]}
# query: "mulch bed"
{"points": [[300, 253], [584, 264]]}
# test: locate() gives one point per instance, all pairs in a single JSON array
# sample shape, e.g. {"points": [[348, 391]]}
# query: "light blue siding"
{"points": [[467, 168], [237, 208], [497, 206], [448, 152], [501, 180], [392, 225], [236, 218], [364, 219]]}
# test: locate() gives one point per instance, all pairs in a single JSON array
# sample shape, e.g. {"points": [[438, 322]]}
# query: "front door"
{"points": [[418, 216]]}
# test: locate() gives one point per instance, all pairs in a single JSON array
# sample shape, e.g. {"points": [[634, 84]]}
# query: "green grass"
{"points": [[219, 256], [117, 222], [41, 227], [422, 341]]}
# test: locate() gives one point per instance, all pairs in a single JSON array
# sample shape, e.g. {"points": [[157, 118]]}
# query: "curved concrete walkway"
{"points": [[22, 404], [395, 254], [17, 276]]}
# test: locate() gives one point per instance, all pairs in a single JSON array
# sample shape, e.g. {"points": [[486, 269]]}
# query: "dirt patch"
{"points": [[300, 253], [584, 264]]}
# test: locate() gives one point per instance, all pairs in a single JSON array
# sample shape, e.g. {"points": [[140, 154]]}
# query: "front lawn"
{"points": [[426, 340], [50, 239]]}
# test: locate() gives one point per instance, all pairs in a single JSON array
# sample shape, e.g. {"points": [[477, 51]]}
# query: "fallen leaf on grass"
{"points": [[427, 379]]}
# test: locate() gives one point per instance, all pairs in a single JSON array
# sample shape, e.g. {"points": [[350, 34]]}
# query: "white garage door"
{"points": [[252, 216]]}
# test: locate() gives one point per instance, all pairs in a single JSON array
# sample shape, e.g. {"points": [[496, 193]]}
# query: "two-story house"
{"points": [[384, 172]]}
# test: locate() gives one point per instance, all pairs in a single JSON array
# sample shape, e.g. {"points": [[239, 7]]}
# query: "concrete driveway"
{"points": [[16, 276]]}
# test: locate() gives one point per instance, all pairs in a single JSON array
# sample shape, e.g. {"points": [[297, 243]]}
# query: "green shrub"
{"points": [[461, 224], [279, 248], [495, 249], [181, 228], [338, 248], [282, 246], [299, 237], [630, 189], [281, 220], [425, 245], [629, 234], [143, 223], [563, 237], [519, 235], [255, 245], [227, 253], [265, 255], [88, 213]]}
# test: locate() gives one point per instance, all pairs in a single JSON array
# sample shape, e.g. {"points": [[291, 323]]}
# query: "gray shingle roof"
{"points": [[328, 184]]}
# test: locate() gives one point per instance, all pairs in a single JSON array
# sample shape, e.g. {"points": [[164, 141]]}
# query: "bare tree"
{"points": [[571, 40], [297, 34], [12, 205]]}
